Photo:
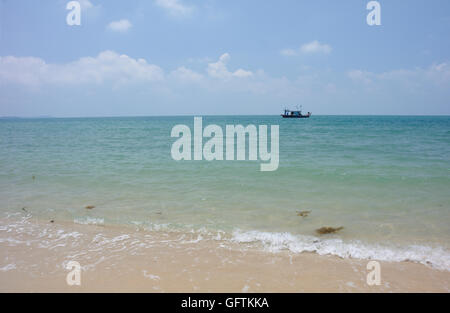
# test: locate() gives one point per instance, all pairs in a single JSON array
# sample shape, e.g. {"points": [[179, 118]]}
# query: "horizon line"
{"points": [[193, 115]]}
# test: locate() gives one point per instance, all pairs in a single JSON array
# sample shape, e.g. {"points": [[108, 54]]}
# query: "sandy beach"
{"points": [[118, 259]]}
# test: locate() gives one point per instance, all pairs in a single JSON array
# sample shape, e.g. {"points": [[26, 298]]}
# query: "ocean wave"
{"points": [[438, 257], [23, 232], [435, 257]]}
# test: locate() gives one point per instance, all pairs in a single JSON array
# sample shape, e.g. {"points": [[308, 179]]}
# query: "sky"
{"points": [[223, 57]]}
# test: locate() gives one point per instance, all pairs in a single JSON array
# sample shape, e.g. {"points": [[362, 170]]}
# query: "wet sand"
{"points": [[120, 259]]}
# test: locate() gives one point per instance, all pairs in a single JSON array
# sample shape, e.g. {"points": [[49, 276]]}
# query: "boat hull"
{"points": [[296, 116]]}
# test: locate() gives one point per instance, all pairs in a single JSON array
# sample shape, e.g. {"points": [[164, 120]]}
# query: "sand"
{"points": [[121, 259]]}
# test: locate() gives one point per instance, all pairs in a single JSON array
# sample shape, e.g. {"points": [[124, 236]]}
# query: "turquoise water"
{"points": [[384, 179]]}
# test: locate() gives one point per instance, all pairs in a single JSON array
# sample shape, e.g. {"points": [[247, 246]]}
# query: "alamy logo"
{"points": [[74, 16], [213, 149], [374, 16], [73, 278], [374, 276]]}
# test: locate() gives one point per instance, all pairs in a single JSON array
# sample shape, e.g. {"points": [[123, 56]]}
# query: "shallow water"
{"points": [[384, 179]]}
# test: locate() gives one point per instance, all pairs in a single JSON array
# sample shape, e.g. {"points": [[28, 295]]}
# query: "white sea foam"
{"points": [[436, 257], [90, 221], [25, 233], [8, 267], [150, 276]]}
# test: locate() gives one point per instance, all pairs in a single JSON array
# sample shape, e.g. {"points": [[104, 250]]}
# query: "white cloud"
{"points": [[28, 71], [220, 70], [186, 75], [121, 26], [242, 73], [437, 75], [108, 66], [27, 81], [315, 47], [134, 77], [360, 76], [174, 7], [440, 73]]}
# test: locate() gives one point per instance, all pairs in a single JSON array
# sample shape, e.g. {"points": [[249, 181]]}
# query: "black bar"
{"points": [[149, 303]]}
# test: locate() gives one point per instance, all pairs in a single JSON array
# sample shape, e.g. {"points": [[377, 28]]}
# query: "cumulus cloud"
{"points": [[108, 66], [28, 71], [438, 74], [313, 47], [121, 26], [96, 82], [138, 78], [360, 76], [219, 69], [186, 75], [174, 7]]}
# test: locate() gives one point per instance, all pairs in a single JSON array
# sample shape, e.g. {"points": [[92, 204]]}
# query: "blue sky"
{"points": [[170, 57]]}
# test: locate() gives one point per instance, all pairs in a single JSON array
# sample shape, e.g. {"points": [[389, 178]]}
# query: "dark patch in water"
{"points": [[328, 230], [90, 207], [303, 213]]}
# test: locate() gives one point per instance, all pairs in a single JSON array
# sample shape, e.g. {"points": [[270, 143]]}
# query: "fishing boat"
{"points": [[295, 114]]}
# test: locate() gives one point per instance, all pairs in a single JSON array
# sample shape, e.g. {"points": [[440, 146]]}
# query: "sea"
{"points": [[384, 179]]}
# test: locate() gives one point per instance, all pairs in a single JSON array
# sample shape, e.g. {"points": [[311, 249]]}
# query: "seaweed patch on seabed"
{"points": [[328, 230], [303, 213]]}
